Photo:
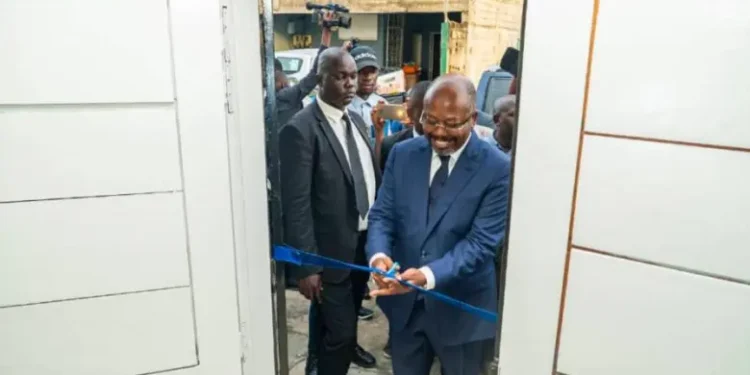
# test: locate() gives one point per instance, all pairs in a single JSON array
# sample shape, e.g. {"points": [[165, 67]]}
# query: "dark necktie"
{"points": [[358, 175], [438, 182]]}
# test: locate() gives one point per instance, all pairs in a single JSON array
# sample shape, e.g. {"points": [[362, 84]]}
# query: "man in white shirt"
{"points": [[440, 213], [328, 183], [367, 79]]}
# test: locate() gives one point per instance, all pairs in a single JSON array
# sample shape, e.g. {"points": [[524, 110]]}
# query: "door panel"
{"points": [[116, 207]]}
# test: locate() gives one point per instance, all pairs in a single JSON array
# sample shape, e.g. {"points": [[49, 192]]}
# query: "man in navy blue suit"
{"points": [[440, 213]]}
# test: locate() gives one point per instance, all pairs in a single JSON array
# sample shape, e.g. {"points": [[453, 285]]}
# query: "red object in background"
{"points": [[512, 89]]}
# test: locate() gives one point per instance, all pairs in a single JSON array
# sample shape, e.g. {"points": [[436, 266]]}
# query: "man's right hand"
{"points": [[310, 287], [325, 37], [383, 263]]}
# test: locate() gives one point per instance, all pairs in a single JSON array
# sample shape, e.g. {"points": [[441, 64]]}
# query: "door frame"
{"points": [[246, 139], [431, 56]]}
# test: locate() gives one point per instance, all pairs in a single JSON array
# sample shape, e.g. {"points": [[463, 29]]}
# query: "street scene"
{"points": [[401, 59], [374, 187]]}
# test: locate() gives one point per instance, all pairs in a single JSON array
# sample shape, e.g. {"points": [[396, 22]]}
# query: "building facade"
{"points": [[409, 31]]}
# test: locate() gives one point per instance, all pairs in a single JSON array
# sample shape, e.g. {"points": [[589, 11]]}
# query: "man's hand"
{"points": [[325, 36], [347, 46], [310, 287], [384, 264], [415, 277], [377, 121], [392, 287]]}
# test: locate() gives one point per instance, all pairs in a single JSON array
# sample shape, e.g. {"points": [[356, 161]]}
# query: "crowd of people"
{"points": [[432, 197]]}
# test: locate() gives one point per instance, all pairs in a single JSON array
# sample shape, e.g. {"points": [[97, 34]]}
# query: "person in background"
{"points": [[289, 101], [439, 244], [504, 115], [328, 181], [289, 98], [412, 127], [367, 77]]}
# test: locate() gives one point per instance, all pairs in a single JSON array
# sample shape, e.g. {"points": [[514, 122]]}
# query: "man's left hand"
{"points": [[393, 287], [415, 277]]}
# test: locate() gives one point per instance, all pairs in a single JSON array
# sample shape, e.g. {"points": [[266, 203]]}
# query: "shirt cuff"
{"points": [[429, 276], [376, 257]]}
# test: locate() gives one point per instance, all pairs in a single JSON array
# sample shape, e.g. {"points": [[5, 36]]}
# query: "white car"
{"points": [[297, 63]]}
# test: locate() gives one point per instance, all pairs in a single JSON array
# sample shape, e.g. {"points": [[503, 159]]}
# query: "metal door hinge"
{"points": [[226, 59]]}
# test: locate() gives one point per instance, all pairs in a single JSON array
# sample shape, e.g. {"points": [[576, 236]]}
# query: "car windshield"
{"points": [[497, 87], [291, 64]]}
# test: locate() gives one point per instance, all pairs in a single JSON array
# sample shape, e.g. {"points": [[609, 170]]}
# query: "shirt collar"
{"points": [[414, 132], [371, 100], [330, 111]]}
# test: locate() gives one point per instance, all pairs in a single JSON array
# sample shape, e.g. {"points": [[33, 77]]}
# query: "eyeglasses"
{"points": [[449, 127]]}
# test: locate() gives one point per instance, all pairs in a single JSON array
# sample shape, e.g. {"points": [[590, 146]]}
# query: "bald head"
{"points": [[337, 77], [455, 85], [330, 58]]}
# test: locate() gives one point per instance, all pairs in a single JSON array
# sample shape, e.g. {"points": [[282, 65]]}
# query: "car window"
{"points": [[291, 64], [496, 87]]}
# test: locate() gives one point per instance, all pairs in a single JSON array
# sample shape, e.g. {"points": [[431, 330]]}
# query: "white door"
{"points": [[117, 238], [628, 245]]}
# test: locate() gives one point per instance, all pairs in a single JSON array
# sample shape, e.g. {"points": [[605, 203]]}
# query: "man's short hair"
{"points": [[277, 65]]}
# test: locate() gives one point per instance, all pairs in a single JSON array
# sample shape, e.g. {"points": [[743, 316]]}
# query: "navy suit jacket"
{"points": [[458, 241]]}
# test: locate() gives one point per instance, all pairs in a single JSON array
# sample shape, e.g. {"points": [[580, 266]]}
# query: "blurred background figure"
{"points": [[505, 119]]}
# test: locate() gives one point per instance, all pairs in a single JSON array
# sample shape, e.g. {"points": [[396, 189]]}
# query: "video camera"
{"points": [[354, 43], [341, 14]]}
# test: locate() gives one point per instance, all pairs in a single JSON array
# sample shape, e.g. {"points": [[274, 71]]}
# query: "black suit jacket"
{"points": [[317, 191], [391, 141]]}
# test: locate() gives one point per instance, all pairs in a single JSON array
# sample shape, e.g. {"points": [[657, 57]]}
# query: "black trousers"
{"points": [[333, 322]]}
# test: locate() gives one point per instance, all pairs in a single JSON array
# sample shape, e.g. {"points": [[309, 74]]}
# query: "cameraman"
{"points": [[289, 98]]}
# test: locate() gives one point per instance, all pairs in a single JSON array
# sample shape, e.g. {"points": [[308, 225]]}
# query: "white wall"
{"points": [[628, 230], [117, 236]]}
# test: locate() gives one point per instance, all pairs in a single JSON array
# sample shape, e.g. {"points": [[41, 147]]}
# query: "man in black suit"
{"points": [[414, 107], [328, 183]]}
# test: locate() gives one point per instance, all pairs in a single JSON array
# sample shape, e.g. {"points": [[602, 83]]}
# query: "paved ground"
{"points": [[372, 336]]}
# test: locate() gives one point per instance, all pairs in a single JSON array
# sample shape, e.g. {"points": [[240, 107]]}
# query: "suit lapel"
{"points": [[419, 173], [333, 141], [466, 167]]}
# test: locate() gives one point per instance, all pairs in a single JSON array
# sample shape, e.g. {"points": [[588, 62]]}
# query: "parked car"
{"points": [[494, 83], [297, 62]]}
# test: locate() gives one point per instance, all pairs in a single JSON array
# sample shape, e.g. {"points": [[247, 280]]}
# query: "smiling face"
{"points": [[448, 117]]}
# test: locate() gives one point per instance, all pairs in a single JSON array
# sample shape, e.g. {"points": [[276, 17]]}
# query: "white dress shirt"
{"points": [[434, 166], [335, 118]]}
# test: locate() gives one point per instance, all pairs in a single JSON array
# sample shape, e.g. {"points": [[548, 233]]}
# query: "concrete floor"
{"points": [[372, 336]]}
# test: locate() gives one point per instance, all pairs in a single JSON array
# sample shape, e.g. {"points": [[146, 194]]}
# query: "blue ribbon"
{"points": [[301, 258]]}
